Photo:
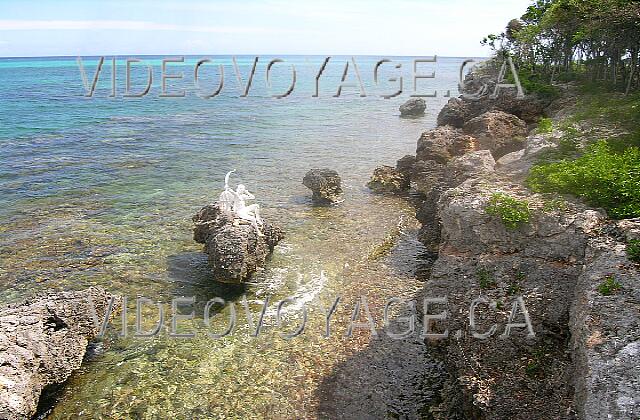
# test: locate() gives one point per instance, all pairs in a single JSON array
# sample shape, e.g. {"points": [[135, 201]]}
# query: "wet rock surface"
{"points": [[325, 184], [387, 179], [42, 341], [235, 248], [413, 107]]}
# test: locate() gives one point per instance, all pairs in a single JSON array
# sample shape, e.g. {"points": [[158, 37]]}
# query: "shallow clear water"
{"points": [[100, 191]]}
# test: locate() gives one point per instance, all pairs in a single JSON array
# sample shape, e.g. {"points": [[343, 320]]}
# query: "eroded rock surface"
{"points": [[325, 185], [387, 179], [443, 143], [582, 360], [235, 248], [497, 131], [413, 107], [42, 341]]}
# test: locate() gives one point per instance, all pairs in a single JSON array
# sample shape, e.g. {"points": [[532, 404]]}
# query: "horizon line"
{"points": [[239, 55]]}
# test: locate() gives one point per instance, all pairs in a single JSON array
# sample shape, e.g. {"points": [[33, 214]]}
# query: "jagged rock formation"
{"points": [[325, 185], [42, 341], [413, 107], [387, 179], [605, 330], [583, 359], [498, 132], [443, 143], [234, 246]]}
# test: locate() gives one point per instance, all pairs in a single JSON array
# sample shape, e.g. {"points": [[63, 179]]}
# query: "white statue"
{"points": [[235, 201]]}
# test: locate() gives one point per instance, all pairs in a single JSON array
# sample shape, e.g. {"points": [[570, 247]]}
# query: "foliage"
{"points": [[545, 125], [512, 212], [633, 250], [623, 111], [609, 286], [485, 279], [602, 176], [554, 204], [576, 39]]}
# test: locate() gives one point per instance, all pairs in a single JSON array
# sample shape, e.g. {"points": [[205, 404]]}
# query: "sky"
{"points": [[237, 27]]}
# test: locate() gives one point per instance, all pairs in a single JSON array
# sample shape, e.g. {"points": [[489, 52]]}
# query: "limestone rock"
{"points": [[325, 185], [605, 335], [405, 164], [470, 165], [455, 113], [386, 179], [42, 341], [443, 143], [497, 131], [234, 247], [413, 107]]}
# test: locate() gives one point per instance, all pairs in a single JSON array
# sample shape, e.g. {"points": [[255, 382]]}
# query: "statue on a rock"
{"points": [[236, 202]]}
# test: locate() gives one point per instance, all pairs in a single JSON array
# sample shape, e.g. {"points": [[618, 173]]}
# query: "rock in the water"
{"points": [[387, 179], [413, 107], [497, 131], [325, 184], [42, 341], [443, 143], [234, 247]]}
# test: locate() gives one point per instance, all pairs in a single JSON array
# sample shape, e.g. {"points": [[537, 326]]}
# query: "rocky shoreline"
{"points": [[583, 360], [42, 341]]}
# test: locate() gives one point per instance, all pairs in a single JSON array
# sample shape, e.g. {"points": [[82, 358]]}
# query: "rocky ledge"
{"points": [[42, 341], [583, 356], [236, 250]]}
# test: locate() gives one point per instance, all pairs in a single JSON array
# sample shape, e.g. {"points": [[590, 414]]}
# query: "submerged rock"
{"points": [[387, 179], [413, 107], [42, 341], [325, 185], [235, 248]]}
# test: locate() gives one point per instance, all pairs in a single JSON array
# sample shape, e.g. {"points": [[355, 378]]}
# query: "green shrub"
{"points": [[554, 204], [485, 279], [609, 286], [537, 84], [633, 250], [512, 212], [602, 176], [545, 125], [533, 368], [514, 286]]}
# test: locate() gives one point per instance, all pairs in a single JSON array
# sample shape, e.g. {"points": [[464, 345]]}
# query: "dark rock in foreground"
{"points": [[413, 107], [387, 179], [325, 184], [42, 341], [234, 246]]}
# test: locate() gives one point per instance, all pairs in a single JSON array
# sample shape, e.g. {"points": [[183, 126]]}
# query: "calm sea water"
{"points": [[100, 191]]}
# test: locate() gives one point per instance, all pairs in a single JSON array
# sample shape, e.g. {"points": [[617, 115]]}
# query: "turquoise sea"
{"points": [[101, 190]]}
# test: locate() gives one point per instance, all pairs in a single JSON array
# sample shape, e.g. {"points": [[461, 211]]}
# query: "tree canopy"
{"points": [[598, 39]]}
